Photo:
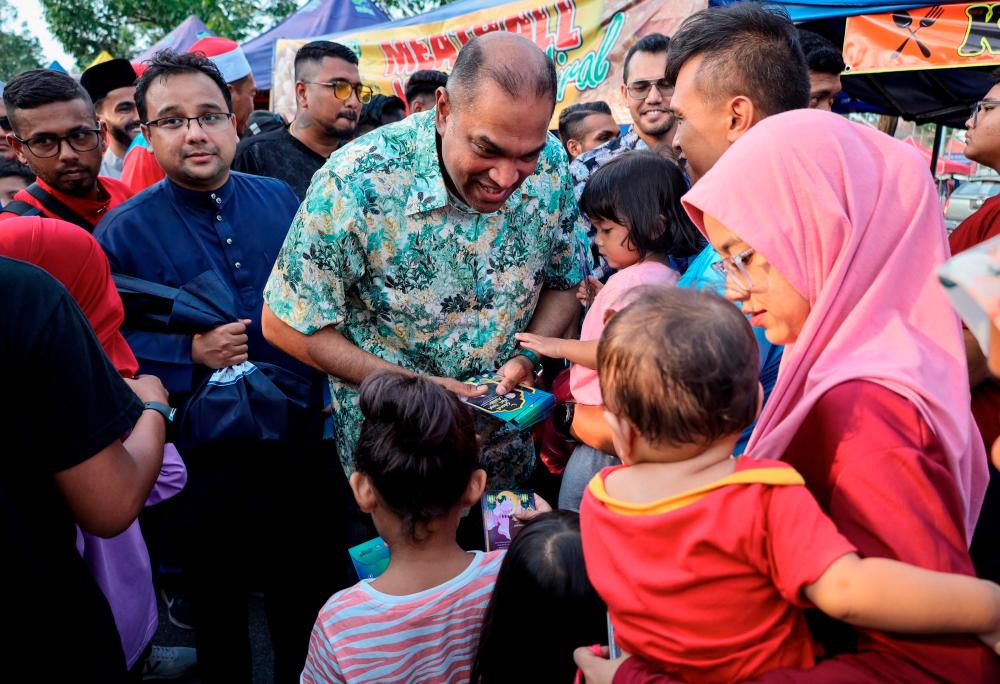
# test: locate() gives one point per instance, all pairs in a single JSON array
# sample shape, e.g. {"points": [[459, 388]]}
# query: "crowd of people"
{"points": [[240, 347]]}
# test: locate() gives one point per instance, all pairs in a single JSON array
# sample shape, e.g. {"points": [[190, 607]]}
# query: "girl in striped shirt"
{"points": [[417, 468]]}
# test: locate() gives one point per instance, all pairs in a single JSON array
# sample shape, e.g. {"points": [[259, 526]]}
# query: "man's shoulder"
{"points": [[137, 209], [27, 287], [266, 186], [390, 149], [263, 140]]}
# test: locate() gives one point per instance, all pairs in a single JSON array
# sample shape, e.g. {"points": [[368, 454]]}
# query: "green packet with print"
{"points": [[523, 407]]}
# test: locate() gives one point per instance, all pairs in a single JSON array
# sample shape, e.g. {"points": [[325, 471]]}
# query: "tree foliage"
{"points": [[126, 27], [18, 50], [408, 8]]}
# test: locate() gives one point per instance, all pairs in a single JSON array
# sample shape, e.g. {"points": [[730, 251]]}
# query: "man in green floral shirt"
{"points": [[427, 244]]}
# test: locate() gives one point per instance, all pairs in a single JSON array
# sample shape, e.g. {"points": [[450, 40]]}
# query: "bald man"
{"points": [[426, 246]]}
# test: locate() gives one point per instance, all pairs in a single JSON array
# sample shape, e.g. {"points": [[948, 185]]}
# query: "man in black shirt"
{"points": [[329, 95], [63, 411]]}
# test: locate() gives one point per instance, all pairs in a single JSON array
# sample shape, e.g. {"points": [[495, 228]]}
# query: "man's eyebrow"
{"points": [[496, 149], [172, 108]]}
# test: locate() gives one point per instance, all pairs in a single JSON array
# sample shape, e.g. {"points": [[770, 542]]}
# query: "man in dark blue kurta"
{"points": [[257, 507]]}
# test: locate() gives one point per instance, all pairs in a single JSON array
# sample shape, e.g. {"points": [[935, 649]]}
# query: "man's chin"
{"points": [[76, 187]]}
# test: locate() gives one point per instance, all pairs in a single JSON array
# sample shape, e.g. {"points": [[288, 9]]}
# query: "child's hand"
{"points": [[588, 290], [543, 346], [541, 506]]}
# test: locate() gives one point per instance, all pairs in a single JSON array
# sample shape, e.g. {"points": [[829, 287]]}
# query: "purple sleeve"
{"points": [[172, 478]]}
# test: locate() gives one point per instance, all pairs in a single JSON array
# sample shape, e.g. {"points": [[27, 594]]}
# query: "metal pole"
{"points": [[936, 151]]}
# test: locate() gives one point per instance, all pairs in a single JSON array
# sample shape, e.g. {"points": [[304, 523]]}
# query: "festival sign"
{"points": [[934, 37], [587, 40]]}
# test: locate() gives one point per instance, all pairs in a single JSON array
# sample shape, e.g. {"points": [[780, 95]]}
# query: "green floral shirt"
{"points": [[379, 251]]}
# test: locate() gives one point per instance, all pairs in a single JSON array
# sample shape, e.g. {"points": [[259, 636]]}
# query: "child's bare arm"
{"points": [[879, 593], [583, 353]]}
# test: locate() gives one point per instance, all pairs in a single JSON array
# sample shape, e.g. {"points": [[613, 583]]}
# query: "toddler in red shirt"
{"points": [[706, 562]]}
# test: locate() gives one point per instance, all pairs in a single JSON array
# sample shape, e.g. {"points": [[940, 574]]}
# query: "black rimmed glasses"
{"points": [[639, 90], [342, 90], [735, 267], [982, 107], [45, 146], [213, 121]]}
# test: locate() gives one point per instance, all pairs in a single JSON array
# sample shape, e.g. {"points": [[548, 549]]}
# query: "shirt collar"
{"points": [[193, 199], [428, 190]]}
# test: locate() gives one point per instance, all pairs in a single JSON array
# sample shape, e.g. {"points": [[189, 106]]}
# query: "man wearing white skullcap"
{"points": [[232, 63]]}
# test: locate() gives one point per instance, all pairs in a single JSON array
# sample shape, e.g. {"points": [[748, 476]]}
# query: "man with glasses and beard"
{"points": [[329, 96], [55, 132], [111, 86], [254, 505]]}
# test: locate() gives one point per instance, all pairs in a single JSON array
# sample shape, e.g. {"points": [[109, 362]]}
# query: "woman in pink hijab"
{"points": [[831, 244]]}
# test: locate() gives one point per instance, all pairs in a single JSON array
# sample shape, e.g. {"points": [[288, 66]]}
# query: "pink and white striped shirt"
{"points": [[363, 635]]}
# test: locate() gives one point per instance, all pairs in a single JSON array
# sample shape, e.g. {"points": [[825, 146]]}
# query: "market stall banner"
{"points": [[587, 40], [933, 37]]}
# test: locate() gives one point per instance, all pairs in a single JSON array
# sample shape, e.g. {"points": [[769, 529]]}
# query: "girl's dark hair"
{"points": [[543, 605], [642, 191], [417, 445]]}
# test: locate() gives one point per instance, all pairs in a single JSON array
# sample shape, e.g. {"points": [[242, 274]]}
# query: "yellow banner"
{"points": [[587, 40], [934, 37]]}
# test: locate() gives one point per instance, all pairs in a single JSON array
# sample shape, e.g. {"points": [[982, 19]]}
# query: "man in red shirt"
{"points": [[55, 132], [982, 145]]}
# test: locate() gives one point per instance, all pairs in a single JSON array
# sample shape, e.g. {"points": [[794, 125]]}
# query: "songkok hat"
{"points": [[101, 79], [226, 54]]}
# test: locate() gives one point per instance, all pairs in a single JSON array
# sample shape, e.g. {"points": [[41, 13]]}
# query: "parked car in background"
{"points": [[967, 199]]}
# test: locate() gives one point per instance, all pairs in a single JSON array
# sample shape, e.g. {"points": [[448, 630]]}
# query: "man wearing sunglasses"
{"points": [[647, 97], [329, 95], [245, 496], [54, 130]]}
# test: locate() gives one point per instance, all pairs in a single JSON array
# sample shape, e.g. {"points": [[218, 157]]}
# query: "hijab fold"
{"points": [[851, 218]]}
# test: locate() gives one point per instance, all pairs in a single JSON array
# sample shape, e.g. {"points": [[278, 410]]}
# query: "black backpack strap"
{"points": [[54, 206], [19, 208]]}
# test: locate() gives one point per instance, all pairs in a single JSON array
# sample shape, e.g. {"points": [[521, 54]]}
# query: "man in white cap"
{"points": [[232, 63]]}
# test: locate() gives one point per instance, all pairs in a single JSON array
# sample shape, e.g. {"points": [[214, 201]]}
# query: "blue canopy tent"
{"points": [[316, 19], [942, 96], [180, 39]]}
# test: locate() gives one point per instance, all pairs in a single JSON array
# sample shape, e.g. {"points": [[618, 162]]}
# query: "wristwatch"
{"points": [[531, 356], [167, 412]]}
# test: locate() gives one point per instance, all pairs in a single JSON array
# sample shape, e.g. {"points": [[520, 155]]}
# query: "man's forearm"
{"points": [[326, 350], [554, 313]]}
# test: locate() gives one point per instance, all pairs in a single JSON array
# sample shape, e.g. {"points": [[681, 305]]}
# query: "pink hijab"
{"points": [[851, 218]]}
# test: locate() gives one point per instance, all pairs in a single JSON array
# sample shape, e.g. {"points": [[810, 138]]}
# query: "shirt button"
{"points": [[218, 217], [218, 200], [229, 241], [238, 264]]}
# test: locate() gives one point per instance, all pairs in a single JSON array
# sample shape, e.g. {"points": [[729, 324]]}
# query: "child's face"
{"points": [[614, 245]]}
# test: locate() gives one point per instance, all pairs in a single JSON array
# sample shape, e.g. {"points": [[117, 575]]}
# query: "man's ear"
{"points": [[105, 134], [624, 92], [608, 315], [742, 117], [364, 492], [474, 490], [623, 435], [574, 148], [18, 148], [300, 95], [443, 111]]}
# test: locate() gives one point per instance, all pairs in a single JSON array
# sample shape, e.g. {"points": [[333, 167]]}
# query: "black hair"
{"points": [[10, 168], [654, 43], [571, 118], [372, 112], [995, 75], [543, 605], [821, 55], [749, 49], [425, 82], [166, 63], [315, 51], [418, 445], [473, 66], [681, 366], [38, 87], [642, 191]]}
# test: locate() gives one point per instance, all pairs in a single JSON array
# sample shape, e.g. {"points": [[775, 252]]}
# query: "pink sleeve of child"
{"points": [[801, 542], [621, 289]]}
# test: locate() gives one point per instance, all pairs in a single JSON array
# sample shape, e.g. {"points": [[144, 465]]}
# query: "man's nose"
{"points": [[504, 175]]}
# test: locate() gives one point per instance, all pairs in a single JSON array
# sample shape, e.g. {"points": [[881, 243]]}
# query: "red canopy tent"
{"points": [[944, 165]]}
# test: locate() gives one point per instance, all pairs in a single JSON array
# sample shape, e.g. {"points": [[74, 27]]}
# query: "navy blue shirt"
{"points": [[169, 235]]}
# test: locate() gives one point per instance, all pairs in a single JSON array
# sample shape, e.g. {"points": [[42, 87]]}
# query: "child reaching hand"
{"points": [[417, 469], [634, 204], [706, 562]]}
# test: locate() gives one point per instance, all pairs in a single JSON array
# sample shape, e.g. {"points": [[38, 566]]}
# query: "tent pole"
{"points": [[936, 150]]}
